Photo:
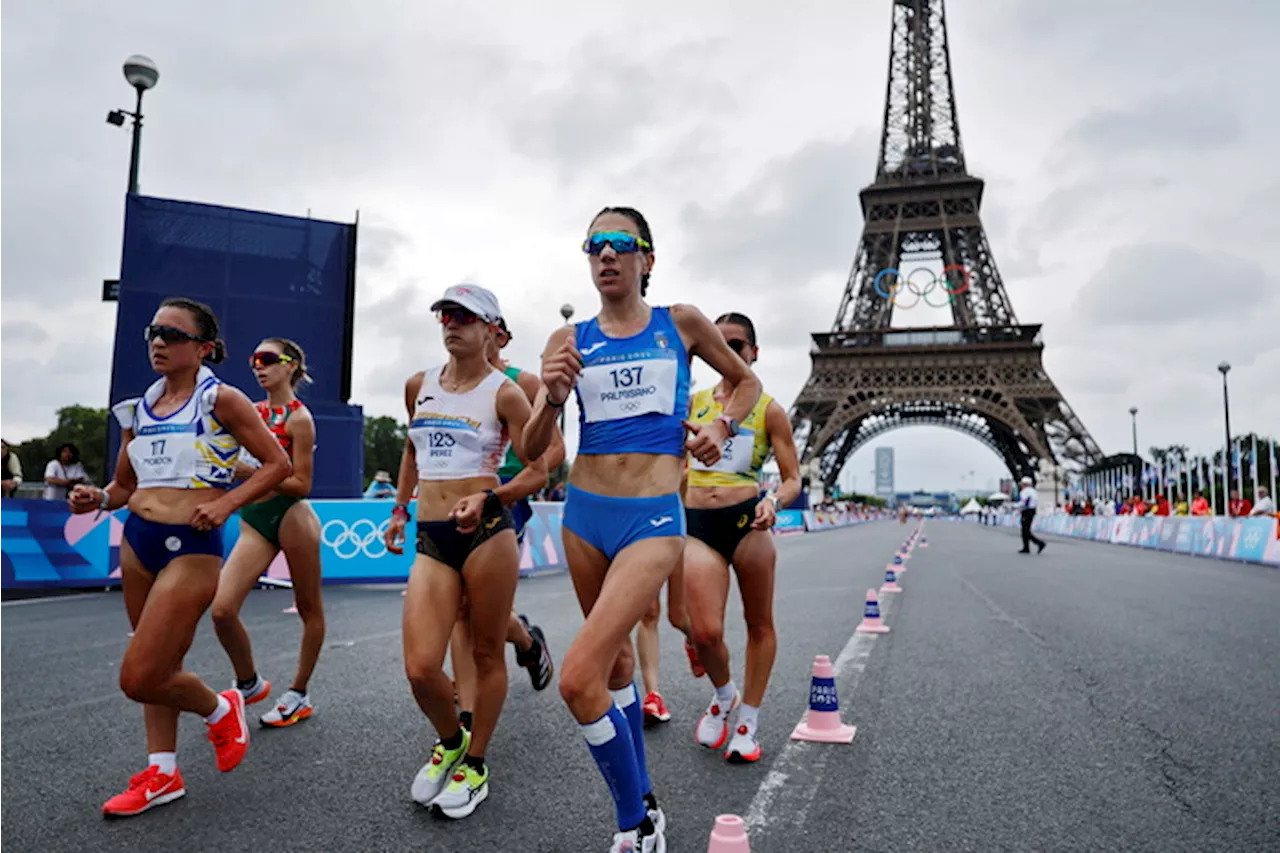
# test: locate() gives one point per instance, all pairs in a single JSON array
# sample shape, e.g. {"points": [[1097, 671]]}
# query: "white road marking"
{"points": [[804, 760]]}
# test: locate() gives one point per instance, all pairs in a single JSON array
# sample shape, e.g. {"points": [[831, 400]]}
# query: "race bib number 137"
{"points": [[627, 389]]}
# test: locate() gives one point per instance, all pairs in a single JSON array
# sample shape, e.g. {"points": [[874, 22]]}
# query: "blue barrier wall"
{"points": [[44, 545], [264, 275], [1252, 540]]}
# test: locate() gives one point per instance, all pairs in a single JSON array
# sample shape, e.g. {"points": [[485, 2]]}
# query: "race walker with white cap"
{"points": [[529, 641], [461, 417]]}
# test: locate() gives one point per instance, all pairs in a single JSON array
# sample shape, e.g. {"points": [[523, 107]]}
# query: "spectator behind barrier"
{"points": [[10, 470], [380, 487], [63, 472]]}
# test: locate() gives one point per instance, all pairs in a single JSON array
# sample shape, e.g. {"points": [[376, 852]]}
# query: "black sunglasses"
{"points": [[169, 335], [737, 345]]}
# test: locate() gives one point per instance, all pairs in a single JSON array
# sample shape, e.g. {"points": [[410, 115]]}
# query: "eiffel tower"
{"points": [[982, 375]]}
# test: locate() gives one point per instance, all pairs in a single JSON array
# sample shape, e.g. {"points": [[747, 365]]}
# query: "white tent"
{"points": [[997, 496], [970, 508]]}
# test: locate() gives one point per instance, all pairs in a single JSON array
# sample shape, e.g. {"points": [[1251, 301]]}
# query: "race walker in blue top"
{"points": [[623, 516]]}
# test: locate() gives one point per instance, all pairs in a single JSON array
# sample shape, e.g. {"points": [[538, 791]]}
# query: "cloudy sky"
{"points": [[1132, 182]]}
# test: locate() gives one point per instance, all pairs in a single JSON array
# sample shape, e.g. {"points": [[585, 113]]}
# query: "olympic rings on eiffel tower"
{"points": [[914, 283]]}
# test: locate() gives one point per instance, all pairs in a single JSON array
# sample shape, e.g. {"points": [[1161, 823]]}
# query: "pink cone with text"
{"points": [[821, 723], [871, 622]]}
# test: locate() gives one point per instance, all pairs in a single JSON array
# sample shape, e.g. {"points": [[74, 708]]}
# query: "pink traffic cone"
{"points": [[897, 564], [871, 622], [890, 582], [822, 721], [292, 608], [729, 835], [924, 541]]}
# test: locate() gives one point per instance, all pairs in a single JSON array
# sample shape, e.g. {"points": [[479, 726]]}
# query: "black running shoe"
{"points": [[538, 659]]}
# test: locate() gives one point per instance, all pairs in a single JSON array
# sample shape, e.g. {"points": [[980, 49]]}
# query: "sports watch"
{"points": [[730, 424]]}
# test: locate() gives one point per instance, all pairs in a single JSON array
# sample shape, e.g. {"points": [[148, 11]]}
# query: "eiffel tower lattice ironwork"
{"points": [[983, 374]]}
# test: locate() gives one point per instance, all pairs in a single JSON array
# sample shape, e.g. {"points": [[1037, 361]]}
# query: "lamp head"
{"points": [[141, 72]]}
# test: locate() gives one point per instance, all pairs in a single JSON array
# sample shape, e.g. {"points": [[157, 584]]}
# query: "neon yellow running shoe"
{"points": [[467, 789], [433, 775]]}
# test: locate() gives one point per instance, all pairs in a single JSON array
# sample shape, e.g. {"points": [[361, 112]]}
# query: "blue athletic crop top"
{"points": [[633, 394]]}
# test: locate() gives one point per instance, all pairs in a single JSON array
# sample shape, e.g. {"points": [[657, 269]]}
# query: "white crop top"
{"points": [[456, 436], [189, 449]]}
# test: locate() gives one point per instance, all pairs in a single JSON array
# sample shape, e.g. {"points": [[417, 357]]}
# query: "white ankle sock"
{"points": [[224, 708], [724, 695], [166, 761], [748, 716]]}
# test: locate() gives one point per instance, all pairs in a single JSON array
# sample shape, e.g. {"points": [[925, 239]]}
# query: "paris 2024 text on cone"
{"points": [[890, 582], [729, 835], [822, 722], [871, 622]]}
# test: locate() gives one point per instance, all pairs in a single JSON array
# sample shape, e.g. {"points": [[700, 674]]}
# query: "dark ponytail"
{"points": [[642, 226], [205, 321]]}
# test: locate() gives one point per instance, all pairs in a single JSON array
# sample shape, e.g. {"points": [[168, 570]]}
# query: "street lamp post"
{"points": [[1133, 413], [142, 75], [1224, 368], [566, 311]]}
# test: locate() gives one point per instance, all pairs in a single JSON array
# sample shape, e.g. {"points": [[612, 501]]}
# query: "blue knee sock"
{"points": [[609, 739], [628, 699]]}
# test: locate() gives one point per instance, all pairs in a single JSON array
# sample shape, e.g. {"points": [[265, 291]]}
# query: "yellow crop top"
{"points": [[743, 455]]}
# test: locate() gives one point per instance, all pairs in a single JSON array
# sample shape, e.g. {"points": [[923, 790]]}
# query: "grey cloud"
{"points": [[376, 245], [599, 110], [799, 218], [1190, 123], [23, 331], [1153, 284]]}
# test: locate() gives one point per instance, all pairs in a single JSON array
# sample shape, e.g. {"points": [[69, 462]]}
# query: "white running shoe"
{"points": [[293, 707], [744, 746], [713, 727], [633, 842], [434, 775]]}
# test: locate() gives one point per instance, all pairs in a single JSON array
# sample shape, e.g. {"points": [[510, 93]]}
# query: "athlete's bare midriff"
{"points": [[627, 475], [437, 498], [715, 497], [170, 505]]}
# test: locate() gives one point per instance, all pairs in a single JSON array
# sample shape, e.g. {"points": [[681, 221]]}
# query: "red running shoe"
{"points": [[146, 790], [655, 709], [694, 665], [230, 735]]}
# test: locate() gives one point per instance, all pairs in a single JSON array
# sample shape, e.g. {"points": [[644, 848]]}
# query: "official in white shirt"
{"points": [[1027, 502]]}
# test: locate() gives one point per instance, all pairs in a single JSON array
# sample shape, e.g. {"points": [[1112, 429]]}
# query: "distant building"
{"points": [[884, 472]]}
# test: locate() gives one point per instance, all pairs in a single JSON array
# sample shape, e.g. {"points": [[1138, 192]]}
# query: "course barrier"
{"points": [[44, 545], [1249, 540]]}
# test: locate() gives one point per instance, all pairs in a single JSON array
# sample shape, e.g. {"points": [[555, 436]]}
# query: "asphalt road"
{"points": [[1093, 697]]}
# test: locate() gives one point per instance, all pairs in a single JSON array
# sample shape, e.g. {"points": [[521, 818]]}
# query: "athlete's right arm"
{"points": [[561, 365], [117, 493], [408, 476]]}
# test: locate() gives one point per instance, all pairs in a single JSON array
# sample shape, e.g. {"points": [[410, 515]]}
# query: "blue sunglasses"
{"points": [[622, 242]]}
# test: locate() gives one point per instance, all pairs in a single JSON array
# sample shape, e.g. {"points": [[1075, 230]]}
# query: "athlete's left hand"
{"points": [[211, 515], [706, 441], [466, 512], [766, 516]]}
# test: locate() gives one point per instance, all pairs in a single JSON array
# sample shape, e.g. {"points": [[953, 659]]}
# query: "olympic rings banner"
{"points": [[919, 283], [1250, 540]]}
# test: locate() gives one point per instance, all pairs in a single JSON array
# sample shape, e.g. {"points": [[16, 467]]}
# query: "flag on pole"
{"points": [[1253, 465], [1273, 470]]}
